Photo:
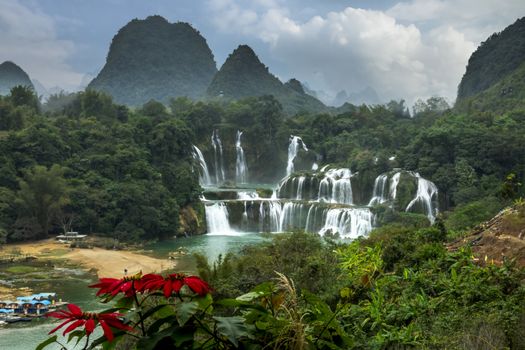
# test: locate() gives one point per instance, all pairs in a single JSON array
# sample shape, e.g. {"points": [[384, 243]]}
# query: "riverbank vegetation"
{"points": [[399, 288]]}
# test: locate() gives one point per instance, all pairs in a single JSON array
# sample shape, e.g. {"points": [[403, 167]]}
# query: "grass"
{"points": [[21, 269]]}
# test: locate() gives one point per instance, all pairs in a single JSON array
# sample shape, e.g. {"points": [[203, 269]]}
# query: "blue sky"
{"points": [[402, 49]]}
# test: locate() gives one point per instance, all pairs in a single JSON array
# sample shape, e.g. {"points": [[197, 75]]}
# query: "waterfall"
{"points": [[336, 187], [204, 174], [217, 220], [241, 169], [300, 184], [293, 148], [426, 190], [348, 222], [244, 195], [219, 163], [379, 195], [394, 181]]}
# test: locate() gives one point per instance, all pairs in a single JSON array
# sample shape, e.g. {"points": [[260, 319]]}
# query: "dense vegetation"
{"points": [[93, 166], [12, 75], [498, 56], [155, 59], [128, 173], [400, 288]]}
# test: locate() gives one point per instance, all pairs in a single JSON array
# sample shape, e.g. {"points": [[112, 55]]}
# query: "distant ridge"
{"points": [[12, 75], [494, 59], [244, 75], [154, 59]]}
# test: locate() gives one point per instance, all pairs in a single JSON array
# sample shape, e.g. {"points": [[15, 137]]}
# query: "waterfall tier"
{"points": [[296, 143], [241, 169], [219, 160], [263, 215]]}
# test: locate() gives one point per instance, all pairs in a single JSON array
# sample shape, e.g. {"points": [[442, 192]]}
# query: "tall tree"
{"points": [[43, 192]]}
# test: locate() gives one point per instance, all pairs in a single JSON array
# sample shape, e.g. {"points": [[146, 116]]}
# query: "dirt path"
{"points": [[108, 263]]}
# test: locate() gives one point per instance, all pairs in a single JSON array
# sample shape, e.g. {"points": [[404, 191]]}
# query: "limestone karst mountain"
{"points": [[12, 75], [154, 59]]}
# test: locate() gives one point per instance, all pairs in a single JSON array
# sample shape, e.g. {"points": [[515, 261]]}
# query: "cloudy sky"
{"points": [[402, 49]]}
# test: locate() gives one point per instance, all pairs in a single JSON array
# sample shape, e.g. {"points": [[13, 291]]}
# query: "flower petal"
{"points": [[107, 331], [75, 310], [90, 326], [60, 326], [73, 325]]}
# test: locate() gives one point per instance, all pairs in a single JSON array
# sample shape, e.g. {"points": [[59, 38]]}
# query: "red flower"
{"points": [[89, 320], [173, 283], [128, 285]]}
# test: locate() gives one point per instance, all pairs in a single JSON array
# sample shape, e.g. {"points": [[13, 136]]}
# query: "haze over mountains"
{"points": [[154, 59]]}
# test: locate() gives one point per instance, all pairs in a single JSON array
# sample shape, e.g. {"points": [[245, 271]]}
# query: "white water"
{"points": [[379, 193], [246, 195], [204, 174], [394, 181], [219, 163], [241, 169], [217, 220], [426, 190], [293, 148], [335, 187], [348, 222]]}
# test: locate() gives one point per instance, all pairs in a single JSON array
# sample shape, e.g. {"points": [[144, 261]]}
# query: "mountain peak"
{"points": [[155, 59], [12, 75]]}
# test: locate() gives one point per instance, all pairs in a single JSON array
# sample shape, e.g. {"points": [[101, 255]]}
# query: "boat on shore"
{"points": [[26, 308]]}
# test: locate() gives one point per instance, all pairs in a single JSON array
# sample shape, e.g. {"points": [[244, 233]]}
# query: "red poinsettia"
{"points": [[89, 320], [128, 285], [173, 283]]}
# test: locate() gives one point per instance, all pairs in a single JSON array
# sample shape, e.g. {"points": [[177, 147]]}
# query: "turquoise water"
{"points": [[72, 287], [209, 245], [72, 284]]}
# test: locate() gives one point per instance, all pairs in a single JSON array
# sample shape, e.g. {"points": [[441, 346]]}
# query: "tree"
{"points": [[43, 192]]}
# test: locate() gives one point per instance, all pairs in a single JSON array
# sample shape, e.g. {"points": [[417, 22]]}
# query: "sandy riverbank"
{"points": [[107, 263]]}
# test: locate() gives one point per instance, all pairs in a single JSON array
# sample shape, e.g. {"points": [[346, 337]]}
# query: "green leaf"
{"points": [[124, 303], [232, 328], [155, 326], [205, 303], [78, 334], [150, 343], [46, 342], [250, 296], [185, 310]]}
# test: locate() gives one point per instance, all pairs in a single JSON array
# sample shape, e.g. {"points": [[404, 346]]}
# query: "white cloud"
{"points": [[28, 38], [415, 49]]}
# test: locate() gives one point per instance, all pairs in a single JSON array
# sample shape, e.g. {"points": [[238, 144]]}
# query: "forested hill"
{"points": [[12, 75], [497, 57], [244, 75], [154, 59]]}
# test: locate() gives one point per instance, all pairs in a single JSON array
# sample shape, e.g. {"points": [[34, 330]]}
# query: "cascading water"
{"points": [[217, 220], [241, 169], [349, 223], [219, 163], [426, 190], [204, 174], [319, 201], [293, 148], [394, 181], [379, 194], [335, 187]]}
